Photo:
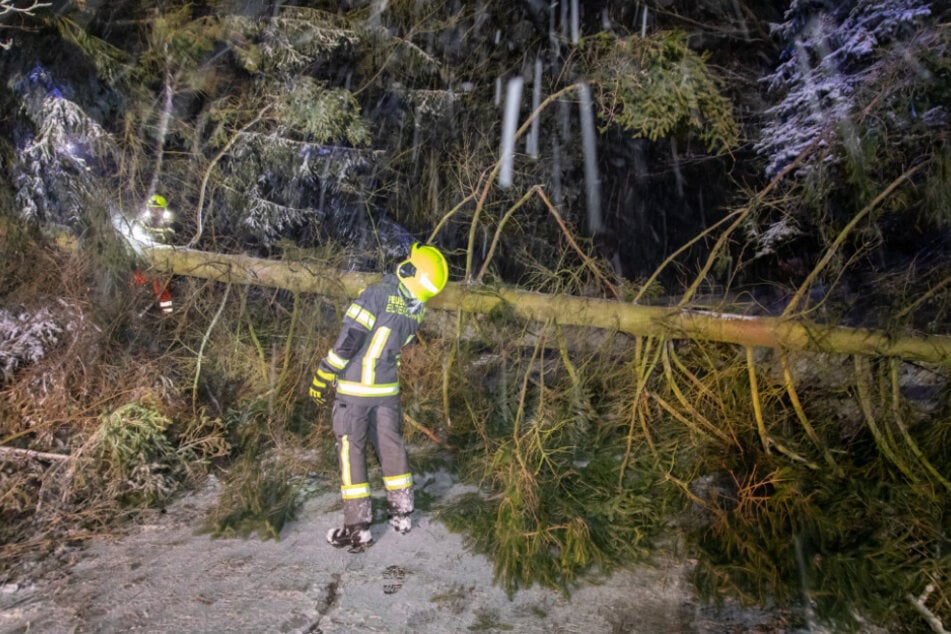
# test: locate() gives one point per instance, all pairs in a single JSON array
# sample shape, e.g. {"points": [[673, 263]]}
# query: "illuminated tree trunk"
{"points": [[652, 321]]}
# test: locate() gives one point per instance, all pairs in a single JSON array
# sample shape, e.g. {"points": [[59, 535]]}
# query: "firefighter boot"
{"points": [[401, 522], [356, 537], [401, 506]]}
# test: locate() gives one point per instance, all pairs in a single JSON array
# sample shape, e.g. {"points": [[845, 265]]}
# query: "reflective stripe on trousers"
{"points": [[353, 426]]}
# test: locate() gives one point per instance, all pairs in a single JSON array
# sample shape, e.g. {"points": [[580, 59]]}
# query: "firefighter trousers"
{"points": [[354, 425]]}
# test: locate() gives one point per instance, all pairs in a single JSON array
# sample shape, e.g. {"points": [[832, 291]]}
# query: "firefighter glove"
{"points": [[319, 385]]}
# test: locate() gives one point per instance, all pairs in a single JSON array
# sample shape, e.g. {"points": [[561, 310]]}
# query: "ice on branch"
{"points": [[25, 339]]}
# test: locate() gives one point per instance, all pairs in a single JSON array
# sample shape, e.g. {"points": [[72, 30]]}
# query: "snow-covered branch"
{"points": [[25, 338], [8, 7], [830, 54]]}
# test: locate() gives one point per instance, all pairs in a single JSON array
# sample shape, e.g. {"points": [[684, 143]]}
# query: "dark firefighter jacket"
{"points": [[366, 355]]}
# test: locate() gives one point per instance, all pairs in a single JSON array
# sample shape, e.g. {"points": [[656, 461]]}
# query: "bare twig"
{"points": [[449, 214], [790, 385], [498, 232], [7, 6], [537, 189], [14, 454], [896, 414], [839, 239], [678, 393], [930, 293], [640, 413], [495, 172], [211, 166], [862, 371], [740, 215], [757, 407], [574, 245], [204, 342], [415, 424], [919, 604]]}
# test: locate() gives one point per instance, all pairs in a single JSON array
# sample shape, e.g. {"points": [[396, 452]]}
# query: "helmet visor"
{"points": [[406, 269]]}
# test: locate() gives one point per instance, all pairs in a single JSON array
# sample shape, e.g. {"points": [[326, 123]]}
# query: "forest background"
{"points": [[785, 163]]}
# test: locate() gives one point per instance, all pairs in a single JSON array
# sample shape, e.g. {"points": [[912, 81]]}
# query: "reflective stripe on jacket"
{"points": [[366, 355]]}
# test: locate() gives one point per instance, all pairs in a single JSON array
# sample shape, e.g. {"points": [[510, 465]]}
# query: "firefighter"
{"points": [[363, 367], [155, 226]]}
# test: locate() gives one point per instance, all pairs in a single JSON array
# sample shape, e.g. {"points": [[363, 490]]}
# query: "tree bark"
{"points": [[653, 321]]}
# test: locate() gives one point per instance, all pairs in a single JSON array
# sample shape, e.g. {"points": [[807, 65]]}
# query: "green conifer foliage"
{"points": [[286, 44], [822, 495], [657, 87], [323, 115]]}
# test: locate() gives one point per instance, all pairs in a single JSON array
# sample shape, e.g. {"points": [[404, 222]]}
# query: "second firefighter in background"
{"points": [[363, 366], [154, 226]]}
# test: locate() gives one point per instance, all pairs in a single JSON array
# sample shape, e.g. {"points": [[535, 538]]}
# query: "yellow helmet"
{"points": [[424, 273], [157, 201]]}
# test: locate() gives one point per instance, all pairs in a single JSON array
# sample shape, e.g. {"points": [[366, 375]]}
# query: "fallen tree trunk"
{"points": [[653, 321]]}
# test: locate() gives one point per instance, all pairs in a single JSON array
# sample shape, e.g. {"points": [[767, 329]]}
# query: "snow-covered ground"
{"points": [[166, 576]]}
